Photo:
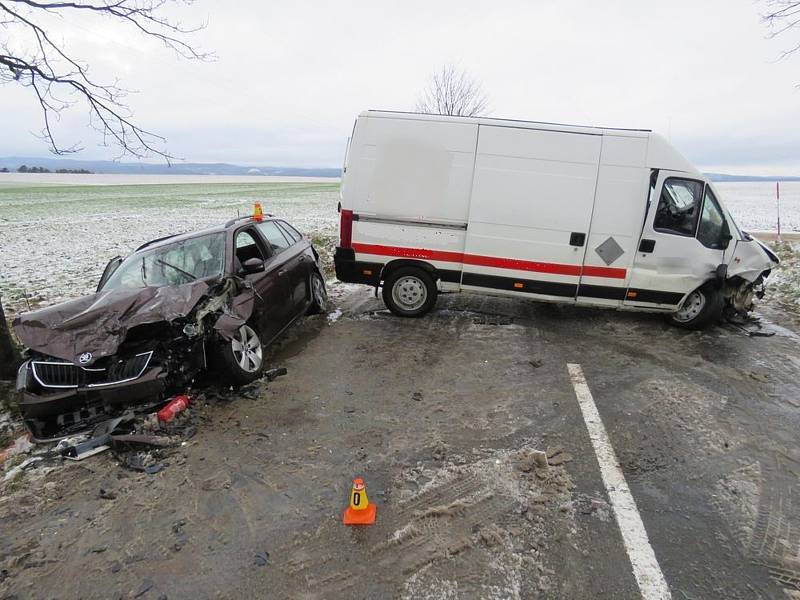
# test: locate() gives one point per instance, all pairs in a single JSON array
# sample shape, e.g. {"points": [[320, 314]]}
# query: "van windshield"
{"points": [[173, 264]]}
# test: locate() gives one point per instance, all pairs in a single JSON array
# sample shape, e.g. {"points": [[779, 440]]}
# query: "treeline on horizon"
{"points": [[26, 169]]}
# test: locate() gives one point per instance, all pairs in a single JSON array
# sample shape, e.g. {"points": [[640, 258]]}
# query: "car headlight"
{"points": [[24, 376]]}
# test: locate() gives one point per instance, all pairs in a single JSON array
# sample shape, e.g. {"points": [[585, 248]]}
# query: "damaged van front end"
{"points": [[90, 358], [746, 274]]}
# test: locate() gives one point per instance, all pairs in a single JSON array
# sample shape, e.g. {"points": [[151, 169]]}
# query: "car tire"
{"points": [[242, 357], [701, 308], [318, 295], [409, 292]]}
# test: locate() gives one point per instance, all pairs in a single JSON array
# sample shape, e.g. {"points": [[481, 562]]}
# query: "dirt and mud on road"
{"points": [[441, 416]]}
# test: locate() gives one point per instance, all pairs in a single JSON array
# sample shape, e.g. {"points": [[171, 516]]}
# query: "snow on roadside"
{"points": [[783, 284]]}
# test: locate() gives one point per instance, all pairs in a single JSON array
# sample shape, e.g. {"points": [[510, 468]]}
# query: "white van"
{"points": [[583, 215]]}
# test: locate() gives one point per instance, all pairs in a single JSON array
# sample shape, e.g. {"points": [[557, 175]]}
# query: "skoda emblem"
{"points": [[85, 358]]}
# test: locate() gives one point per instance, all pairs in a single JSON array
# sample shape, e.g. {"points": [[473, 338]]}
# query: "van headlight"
{"points": [[24, 376]]}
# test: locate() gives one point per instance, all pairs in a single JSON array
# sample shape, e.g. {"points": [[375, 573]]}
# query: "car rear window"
{"points": [[290, 231], [277, 240]]}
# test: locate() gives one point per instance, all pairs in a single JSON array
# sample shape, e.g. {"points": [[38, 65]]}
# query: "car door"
{"points": [[273, 302], [681, 244], [293, 260], [306, 261]]}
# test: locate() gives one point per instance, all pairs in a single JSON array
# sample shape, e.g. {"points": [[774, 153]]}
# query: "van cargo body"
{"points": [[604, 217]]}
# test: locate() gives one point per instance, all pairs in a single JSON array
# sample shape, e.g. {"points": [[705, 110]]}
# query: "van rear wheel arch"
{"points": [[391, 266]]}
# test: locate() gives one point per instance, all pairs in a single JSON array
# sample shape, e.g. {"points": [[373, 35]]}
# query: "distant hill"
{"points": [[724, 177], [12, 163]]}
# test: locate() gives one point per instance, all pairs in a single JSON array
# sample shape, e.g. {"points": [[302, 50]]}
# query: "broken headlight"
{"points": [[191, 330], [24, 376]]}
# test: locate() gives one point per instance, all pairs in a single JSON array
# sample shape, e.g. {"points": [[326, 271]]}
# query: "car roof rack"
{"points": [[161, 239], [246, 217]]}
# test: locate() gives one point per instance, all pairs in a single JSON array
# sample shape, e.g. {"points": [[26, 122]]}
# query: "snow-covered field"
{"points": [[56, 239], [754, 208]]}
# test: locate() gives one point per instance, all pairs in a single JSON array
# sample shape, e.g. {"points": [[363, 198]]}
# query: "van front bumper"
{"points": [[350, 270]]}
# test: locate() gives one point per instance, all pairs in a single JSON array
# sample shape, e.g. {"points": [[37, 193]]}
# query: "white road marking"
{"points": [[646, 570]]}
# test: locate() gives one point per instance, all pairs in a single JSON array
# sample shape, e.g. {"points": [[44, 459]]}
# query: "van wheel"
{"points": [[319, 295], [409, 292], [242, 357], [701, 308]]}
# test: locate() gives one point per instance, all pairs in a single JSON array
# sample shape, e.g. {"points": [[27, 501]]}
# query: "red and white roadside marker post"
{"points": [[778, 206]]}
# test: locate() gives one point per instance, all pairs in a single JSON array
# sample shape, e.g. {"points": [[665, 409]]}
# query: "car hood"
{"points": [[94, 326]]}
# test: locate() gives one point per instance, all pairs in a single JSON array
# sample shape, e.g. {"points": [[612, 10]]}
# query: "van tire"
{"points": [[409, 292], [701, 308]]}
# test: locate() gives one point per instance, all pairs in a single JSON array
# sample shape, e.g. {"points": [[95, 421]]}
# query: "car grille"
{"points": [[54, 374], [131, 368]]}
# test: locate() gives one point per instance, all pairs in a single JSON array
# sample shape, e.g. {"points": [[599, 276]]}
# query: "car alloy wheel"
{"points": [[246, 347], [318, 292]]}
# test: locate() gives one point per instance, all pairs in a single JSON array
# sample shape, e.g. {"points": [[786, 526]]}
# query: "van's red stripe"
{"points": [[490, 261]]}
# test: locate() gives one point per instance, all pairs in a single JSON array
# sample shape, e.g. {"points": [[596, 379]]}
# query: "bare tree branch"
{"points": [[48, 69], [781, 16], [453, 92]]}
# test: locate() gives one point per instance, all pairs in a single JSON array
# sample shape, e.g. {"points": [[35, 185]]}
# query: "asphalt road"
{"points": [[441, 416]]}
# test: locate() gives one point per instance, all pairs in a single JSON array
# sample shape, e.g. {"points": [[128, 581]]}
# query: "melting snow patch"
{"points": [[335, 315]]}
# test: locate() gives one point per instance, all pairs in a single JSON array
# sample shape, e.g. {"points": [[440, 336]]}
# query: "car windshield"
{"points": [[173, 264]]}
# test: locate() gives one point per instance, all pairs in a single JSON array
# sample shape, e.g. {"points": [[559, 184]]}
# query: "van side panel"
{"points": [[532, 190], [419, 170], [619, 210], [408, 185]]}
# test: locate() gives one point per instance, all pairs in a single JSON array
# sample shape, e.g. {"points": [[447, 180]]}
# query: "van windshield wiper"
{"points": [[178, 269]]}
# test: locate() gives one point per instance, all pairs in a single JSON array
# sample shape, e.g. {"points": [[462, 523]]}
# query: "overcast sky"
{"points": [[290, 77]]}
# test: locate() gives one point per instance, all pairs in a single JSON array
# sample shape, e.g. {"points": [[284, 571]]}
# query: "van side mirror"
{"points": [[253, 265]]}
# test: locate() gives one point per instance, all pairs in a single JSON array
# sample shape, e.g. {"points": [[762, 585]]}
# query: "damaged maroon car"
{"points": [[178, 306]]}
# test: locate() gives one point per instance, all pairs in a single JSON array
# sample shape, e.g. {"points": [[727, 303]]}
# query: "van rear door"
{"points": [[681, 244], [532, 198]]}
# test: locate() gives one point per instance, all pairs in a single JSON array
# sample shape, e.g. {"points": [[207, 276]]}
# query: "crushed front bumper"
{"points": [[49, 410]]}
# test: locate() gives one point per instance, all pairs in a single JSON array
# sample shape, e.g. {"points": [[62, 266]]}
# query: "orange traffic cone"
{"points": [[360, 511]]}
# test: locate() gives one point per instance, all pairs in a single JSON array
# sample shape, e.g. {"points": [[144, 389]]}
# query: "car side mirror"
{"points": [[253, 265]]}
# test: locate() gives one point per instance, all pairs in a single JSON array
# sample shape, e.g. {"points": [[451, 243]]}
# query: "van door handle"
{"points": [[647, 245], [577, 239], [282, 272]]}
